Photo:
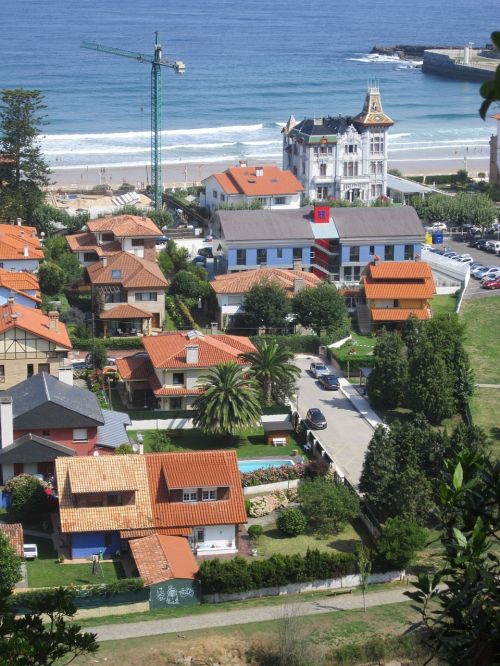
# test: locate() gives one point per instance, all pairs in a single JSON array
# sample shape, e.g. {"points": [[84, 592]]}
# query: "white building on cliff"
{"points": [[343, 157]]}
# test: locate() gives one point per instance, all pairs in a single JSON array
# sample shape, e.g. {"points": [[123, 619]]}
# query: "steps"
{"points": [[364, 319]]}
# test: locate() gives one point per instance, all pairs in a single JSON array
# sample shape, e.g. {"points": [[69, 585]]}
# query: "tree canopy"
{"points": [[271, 367], [321, 308], [267, 305], [10, 565], [327, 506], [389, 377], [51, 277]]}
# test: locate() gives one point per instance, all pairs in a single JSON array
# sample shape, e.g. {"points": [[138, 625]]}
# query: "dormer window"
{"points": [[208, 494], [190, 495], [116, 274]]}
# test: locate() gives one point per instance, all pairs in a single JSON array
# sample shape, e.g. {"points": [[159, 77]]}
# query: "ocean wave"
{"points": [[119, 165], [391, 137]]}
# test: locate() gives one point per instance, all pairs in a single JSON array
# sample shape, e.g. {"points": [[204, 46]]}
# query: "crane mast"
{"points": [[157, 62]]}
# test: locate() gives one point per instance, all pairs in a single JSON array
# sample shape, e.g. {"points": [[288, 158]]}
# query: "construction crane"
{"points": [[157, 62]]}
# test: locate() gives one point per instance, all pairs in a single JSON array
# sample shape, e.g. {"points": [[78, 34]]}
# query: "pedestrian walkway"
{"points": [[360, 403], [327, 604], [493, 386]]}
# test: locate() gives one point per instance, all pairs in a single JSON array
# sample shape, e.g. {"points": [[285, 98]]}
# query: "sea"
{"points": [[250, 64]]}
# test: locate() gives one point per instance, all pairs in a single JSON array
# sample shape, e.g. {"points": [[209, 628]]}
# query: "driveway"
{"points": [[347, 434]]}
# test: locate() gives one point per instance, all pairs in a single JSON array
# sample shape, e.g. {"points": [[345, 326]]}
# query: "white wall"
{"points": [[218, 538]]}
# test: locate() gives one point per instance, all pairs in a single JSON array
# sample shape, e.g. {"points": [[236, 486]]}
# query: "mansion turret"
{"points": [[343, 157]]}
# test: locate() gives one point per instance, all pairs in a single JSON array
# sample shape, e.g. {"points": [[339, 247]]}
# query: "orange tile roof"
{"points": [[125, 311], [135, 367], [14, 532], [168, 350], [196, 469], [20, 282], [174, 391], [14, 315], [125, 225], [14, 239], [244, 180], [160, 558], [86, 242], [135, 272], [398, 314], [399, 290], [101, 474], [400, 270], [242, 281]]}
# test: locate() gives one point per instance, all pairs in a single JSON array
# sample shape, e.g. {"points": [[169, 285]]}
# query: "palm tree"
{"points": [[229, 402], [270, 366]]}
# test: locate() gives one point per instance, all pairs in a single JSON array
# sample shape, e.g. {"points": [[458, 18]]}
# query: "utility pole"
{"points": [[157, 62]]}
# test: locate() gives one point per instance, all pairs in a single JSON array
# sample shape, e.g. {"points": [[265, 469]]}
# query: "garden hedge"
{"points": [[272, 475], [241, 575], [85, 344]]}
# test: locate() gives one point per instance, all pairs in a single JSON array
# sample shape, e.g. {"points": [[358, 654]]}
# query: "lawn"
{"points": [[443, 304], [47, 572], [272, 541], [481, 317], [251, 444], [484, 406]]}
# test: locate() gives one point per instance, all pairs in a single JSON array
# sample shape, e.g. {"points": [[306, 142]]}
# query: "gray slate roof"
{"points": [[33, 448], [329, 125], [44, 402], [394, 221], [113, 433], [262, 225]]}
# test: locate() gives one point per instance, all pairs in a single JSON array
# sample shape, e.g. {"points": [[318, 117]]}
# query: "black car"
{"points": [[329, 382], [481, 244], [315, 419]]}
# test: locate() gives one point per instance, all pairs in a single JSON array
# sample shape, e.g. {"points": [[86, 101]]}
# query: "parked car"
{"points": [[30, 551], [208, 239], [479, 272], [450, 255], [480, 243], [494, 247], [161, 240], [490, 275], [437, 226], [491, 284], [88, 361], [329, 382], [315, 419], [317, 369]]}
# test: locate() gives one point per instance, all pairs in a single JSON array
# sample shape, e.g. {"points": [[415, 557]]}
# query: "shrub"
{"points": [[160, 442], [328, 506], [307, 344], [399, 541], [291, 522], [29, 501], [248, 505], [123, 449], [85, 344], [272, 475], [255, 531]]}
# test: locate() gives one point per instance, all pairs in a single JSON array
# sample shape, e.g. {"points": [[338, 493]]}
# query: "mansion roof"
{"points": [[258, 181], [243, 281], [125, 226], [128, 270]]}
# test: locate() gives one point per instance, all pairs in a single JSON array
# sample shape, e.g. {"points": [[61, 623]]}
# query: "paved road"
{"points": [[347, 435], [333, 604]]}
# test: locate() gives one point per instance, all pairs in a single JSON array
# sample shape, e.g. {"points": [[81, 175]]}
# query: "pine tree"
{"points": [[389, 377]]}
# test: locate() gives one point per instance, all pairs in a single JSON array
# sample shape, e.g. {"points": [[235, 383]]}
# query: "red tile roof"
{"points": [[20, 282], [86, 242], [125, 311], [14, 532], [14, 239], [125, 225], [399, 280], [14, 315], [174, 391], [243, 281], [244, 180], [168, 350], [135, 367], [400, 270], [396, 291], [398, 314], [134, 272], [196, 470], [160, 558]]}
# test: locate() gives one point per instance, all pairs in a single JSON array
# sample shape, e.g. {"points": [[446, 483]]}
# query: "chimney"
{"points": [[259, 171], [6, 421], [26, 251], [65, 374], [243, 163], [10, 300], [104, 261], [192, 354], [376, 259], [53, 320], [298, 285]]}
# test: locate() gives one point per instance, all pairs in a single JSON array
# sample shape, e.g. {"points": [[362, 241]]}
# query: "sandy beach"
{"points": [[181, 175]]}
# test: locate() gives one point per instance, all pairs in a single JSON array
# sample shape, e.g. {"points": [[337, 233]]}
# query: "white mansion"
{"points": [[343, 157]]}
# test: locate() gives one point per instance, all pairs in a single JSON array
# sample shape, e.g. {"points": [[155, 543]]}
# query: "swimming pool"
{"points": [[246, 466]]}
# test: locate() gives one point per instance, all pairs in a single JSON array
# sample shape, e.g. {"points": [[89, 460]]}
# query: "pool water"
{"points": [[246, 466]]}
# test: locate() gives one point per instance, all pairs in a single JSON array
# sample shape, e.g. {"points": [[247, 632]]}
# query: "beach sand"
{"points": [[182, 175]]}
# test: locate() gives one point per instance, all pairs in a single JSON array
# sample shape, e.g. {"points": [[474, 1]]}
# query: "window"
{"points": [[279, 253], [175, 403], [222, 197], [178, 379], [279, 201], [322, 169], [297, 253], [351, 148], [350, 168], [116, 274], [396, 303], [261, 256], [389, 253], [95, 500], [303, 168], [44, 367], [241, 257], [109, 236], [29, 370], [115, 297], [356, 273], [354, 253], [137, 242], [348, 273], [376, 168], [214, 194], [199, 535], [372, 249], [209, 495], [146, 296], [80, 435], [108, 539], [89, 256], [2, 373], [408, 252], [377, 143], [376, 191], [189, 495], [114, 500], [322, 192]]}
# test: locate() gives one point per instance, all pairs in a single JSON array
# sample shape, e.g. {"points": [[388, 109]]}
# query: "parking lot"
{"points": [[347, 434]]}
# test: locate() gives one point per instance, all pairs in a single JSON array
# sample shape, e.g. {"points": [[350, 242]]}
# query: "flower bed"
{"points": [[272, 475], [263, 505]]}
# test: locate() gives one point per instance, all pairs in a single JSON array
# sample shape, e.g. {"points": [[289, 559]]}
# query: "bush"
{"points": [[307, 344], [272, 475], [28, 499], [123, 449], [160, 442], [399, 541], [239, 575], [255, 531], [291, 522], [328, 506], [248, 506]]}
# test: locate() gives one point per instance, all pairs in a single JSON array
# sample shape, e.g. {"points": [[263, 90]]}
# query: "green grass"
{"points": [[272, 541], [443, 304], [251, 444], [47, 572], [484, 408], [481, 317]]}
